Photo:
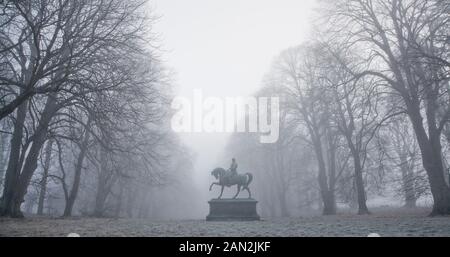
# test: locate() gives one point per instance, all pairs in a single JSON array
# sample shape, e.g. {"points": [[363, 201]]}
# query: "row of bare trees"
{"points": [[83, 107], [370, 98]]}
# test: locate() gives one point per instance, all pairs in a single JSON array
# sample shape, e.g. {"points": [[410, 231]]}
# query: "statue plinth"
{"points": [[232, 210]]}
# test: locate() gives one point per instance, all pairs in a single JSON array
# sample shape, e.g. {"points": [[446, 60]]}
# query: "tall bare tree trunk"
{"points": [[103, 185], [100, 198], [77, 176], [361, 192], [326, 192], [407, 182], [43, 183], [3, 157], [281, 187], [30, 164], [359, 182], [23, 178], [332, 178], [13, 168], [431, 150]]}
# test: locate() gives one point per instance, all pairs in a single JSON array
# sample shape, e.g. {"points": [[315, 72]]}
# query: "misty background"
{"points": [[224, 48], [86, 89]]}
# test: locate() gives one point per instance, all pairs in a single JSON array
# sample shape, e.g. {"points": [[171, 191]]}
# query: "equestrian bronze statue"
{"points": [[228, 178]]}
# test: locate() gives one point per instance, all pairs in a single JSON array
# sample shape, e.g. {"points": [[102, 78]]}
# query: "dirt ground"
{"points": [[396, 222]]}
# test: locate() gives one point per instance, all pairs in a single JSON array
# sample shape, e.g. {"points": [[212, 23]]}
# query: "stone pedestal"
{"points": [[232, 210]]}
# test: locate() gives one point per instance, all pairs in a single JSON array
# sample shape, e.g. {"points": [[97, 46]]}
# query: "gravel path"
{"points": [[391, 223]]}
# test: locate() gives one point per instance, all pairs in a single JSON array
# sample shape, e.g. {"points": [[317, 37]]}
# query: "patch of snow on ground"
{"points": [[385, 223]]}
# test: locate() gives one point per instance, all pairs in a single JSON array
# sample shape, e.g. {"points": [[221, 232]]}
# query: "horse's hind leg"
{"points": [[249, 193], [221, 193], [238, 190]]}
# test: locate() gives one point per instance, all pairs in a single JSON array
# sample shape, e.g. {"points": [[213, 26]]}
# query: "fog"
{"points": [[344, 107], [224, 48]]}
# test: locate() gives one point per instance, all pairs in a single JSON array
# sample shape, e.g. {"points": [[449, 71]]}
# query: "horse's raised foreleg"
{"points": [[238, 190], [221, 192], [212, 184]]}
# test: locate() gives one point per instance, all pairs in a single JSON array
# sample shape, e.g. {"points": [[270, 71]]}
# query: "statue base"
{"points": [[232, 210]]}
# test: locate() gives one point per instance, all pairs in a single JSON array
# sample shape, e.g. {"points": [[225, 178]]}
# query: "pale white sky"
{"points": [[225, 47]]}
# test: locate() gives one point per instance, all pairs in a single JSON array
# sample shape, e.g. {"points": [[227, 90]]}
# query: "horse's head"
{"points": [[216, 172]]}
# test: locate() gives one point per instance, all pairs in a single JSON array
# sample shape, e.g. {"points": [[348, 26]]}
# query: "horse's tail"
{"points": [[250, 178]]}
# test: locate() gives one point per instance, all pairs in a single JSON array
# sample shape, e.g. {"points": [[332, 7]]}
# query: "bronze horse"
{"points": [[225, 178]]}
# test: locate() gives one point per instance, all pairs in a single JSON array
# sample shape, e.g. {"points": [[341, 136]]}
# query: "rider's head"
{"points": [[233, 160]]}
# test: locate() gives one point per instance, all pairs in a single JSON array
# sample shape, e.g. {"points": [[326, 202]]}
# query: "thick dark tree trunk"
{"points": [[14, 166], [439, 188], [431, 151], [73, 194], [12, 176], [75, 187], [43, 183], [30, 164], [361, 192]]}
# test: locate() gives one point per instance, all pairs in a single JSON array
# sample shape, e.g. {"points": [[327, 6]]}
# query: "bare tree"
{"points": [[308, 99], [409, 53], [92, 44]]}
